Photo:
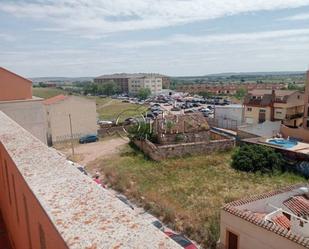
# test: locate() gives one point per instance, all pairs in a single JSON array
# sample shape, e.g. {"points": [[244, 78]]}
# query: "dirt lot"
{"points": [[86, 153]]}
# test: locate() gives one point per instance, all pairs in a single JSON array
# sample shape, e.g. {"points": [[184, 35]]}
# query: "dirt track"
{"points": [[86, 153]]}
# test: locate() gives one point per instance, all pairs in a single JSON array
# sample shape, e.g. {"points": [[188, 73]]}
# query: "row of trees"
{"points": [[109, 88]]}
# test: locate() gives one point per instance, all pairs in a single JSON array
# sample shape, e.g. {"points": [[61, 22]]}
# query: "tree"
{"points": [[240, 93], [253, 158], [144, 93]]}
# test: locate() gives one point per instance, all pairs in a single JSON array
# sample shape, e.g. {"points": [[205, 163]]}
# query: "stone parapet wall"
{"points": [[162, 152], [191, 137]]}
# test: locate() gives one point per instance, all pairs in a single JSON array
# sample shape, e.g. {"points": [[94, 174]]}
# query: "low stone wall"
{"points": [[184, 137], [161, 152]]}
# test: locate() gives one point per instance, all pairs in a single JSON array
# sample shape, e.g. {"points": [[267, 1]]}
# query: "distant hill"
{"points": [[60, 80]]}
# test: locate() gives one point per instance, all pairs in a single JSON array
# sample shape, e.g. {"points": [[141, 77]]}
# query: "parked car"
{"points": [[175, 109], [104, 122], [181, 240], [189, 111], [88, 139]]}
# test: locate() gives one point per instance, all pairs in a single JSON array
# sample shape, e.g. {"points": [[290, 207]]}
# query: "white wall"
{"points": [[230, 112], [83, 117], [30, 114]]}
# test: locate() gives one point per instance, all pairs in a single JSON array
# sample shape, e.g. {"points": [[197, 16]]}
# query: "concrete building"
{"points": [[61, 108], [17, 102], [274, 105], [278, 219], [122, 79], [301, 133], [229, 112], [153, 83], [45, 202]]}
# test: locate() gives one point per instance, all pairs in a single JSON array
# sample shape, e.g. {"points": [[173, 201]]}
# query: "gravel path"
{"points": [[91, 151]]}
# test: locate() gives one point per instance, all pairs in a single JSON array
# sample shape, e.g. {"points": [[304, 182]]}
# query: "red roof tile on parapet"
{"points": [[55, 99]]}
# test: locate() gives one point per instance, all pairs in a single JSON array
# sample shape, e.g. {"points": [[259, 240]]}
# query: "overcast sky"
{"points": [[175, 37]]}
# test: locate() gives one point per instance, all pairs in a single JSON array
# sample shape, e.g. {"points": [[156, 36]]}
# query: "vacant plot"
{"points": [[114, 108], [187, 193], [46, 93]]}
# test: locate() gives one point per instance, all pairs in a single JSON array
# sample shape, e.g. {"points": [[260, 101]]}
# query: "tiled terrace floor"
{"points": [[4, 241]]}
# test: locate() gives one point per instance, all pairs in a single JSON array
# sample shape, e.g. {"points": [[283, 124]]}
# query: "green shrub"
{"points": [[253, 158]]}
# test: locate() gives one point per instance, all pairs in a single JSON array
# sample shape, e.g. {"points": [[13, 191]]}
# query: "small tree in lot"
{"points": [[144, 93], [253, 158]]}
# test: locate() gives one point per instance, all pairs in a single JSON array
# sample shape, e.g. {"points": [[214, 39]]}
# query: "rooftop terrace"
{"points": [[47, 203]]}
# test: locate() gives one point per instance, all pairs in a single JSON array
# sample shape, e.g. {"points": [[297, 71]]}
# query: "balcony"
{"points": [[294, 116], [47, 203]]}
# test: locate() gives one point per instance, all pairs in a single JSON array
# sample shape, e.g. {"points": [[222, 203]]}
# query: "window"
{"points": [[249, 109], [278, 112], [262, 110], [232, 240]]}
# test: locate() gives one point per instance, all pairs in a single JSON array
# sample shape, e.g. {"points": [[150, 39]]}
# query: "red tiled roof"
{"points": [[233, 208], [282, 220], [55, 99], [299, 205]]}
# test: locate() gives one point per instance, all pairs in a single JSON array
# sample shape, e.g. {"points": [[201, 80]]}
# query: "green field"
{"points": [[111, 109], [46, 93], [187, 193]]}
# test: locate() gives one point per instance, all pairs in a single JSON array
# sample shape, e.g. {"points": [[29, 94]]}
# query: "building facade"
{"points": [[153, 83], [122, 80], [62, 110], [227, 89], [17, 102], [277, 219], [301, 133], [274, 105]]}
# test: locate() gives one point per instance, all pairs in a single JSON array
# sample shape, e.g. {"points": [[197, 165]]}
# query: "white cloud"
{"points": [[297, 17], [106, 16], [7, 37], [224, 38]]}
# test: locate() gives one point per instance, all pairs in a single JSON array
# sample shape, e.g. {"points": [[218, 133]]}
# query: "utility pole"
{"points": [[72, 144]]}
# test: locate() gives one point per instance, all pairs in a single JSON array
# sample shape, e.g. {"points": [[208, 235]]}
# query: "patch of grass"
{"points": [[46, 93], [187, 193], [114, 108]]}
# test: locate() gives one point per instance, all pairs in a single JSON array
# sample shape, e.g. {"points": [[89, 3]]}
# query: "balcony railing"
{"points": [[294, 116]]}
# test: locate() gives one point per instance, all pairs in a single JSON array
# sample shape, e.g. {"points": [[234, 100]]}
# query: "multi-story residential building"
{"points": [[274, 105], [301, 133], [122, 79], [65, 111], [227, 89], [278, 219], [153, 83], [45, 202], [17, 102], [306, 103]]}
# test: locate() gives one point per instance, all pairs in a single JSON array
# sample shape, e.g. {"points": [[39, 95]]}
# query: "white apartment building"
{"points": [[154, 83]]}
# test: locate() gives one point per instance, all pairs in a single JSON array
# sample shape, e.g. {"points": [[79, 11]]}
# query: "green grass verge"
{"points": [[187, 193], [113, 108], [46, 93]]}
